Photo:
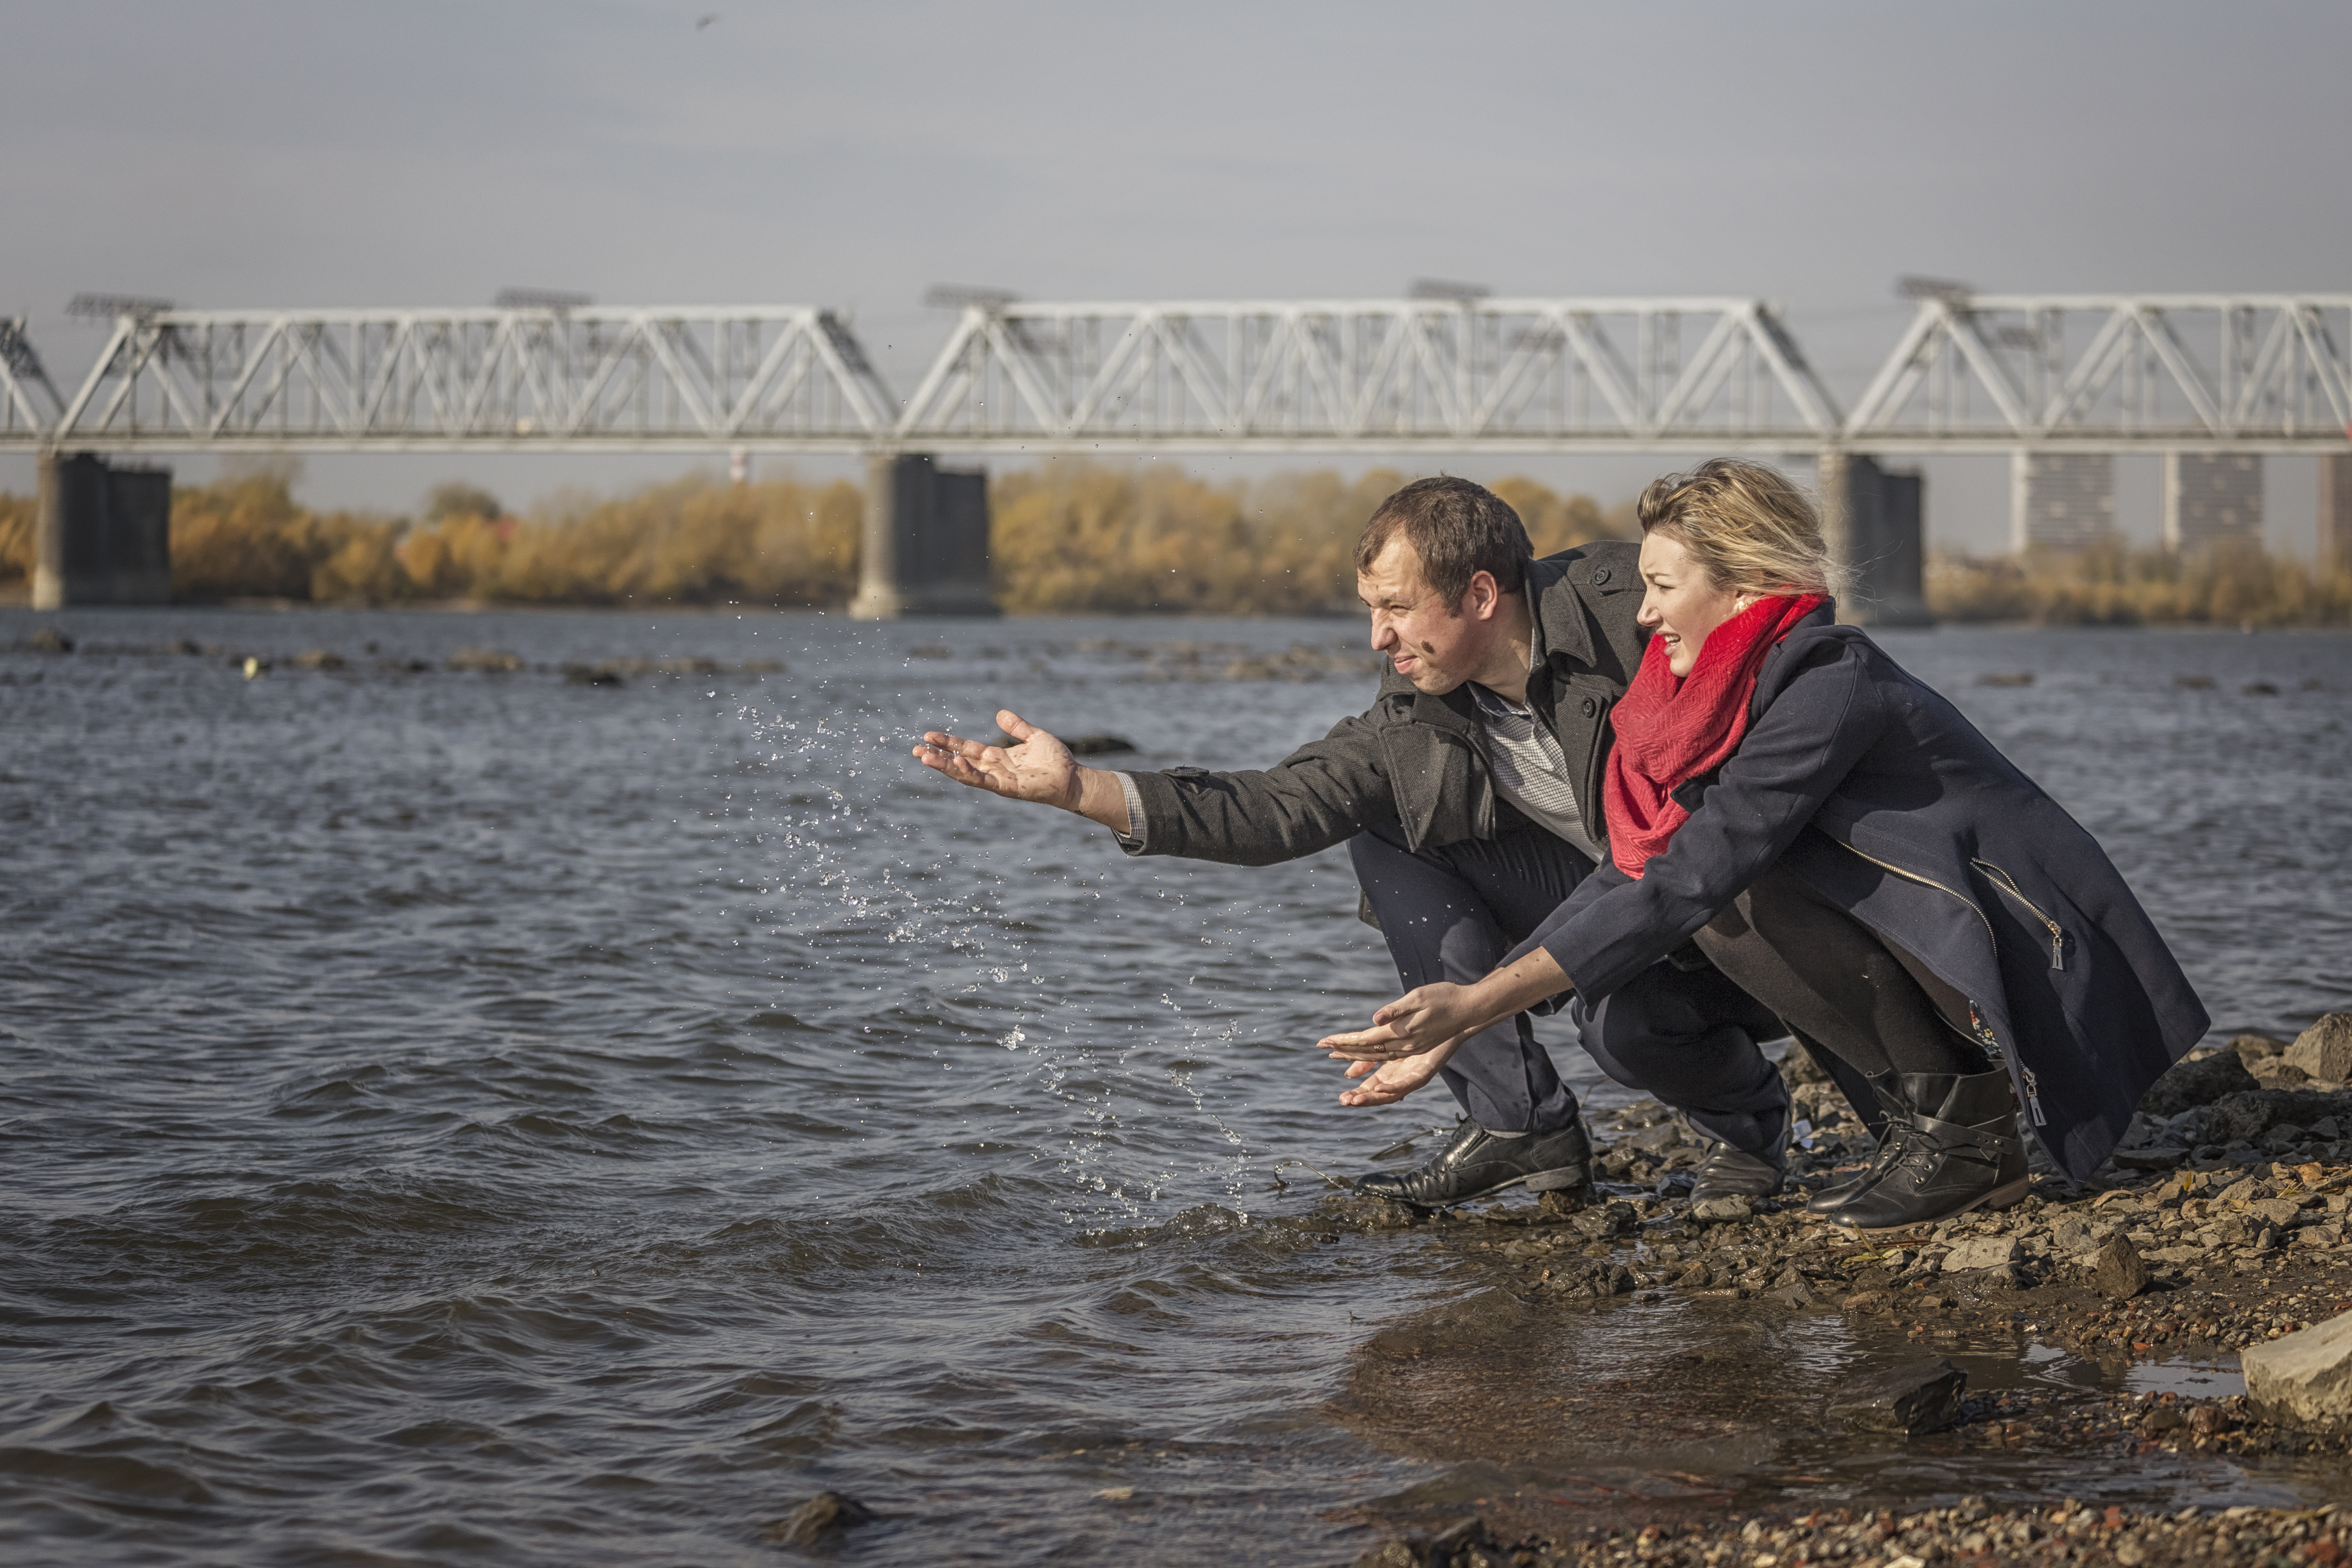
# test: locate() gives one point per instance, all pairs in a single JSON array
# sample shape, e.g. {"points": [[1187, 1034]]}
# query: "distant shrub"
{"points": [[16, 513]]}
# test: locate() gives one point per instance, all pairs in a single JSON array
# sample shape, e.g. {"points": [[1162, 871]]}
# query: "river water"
{"points": [[460, 1116]]}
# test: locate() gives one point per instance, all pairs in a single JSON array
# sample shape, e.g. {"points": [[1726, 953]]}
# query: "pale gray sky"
{"points": [[254, 153]]}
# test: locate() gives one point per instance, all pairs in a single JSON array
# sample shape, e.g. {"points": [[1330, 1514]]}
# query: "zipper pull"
{"points": [[2057, 948], [2033, 1097]]}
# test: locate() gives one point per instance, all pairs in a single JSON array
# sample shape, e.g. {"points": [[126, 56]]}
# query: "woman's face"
{"points": [[1682, 605]]}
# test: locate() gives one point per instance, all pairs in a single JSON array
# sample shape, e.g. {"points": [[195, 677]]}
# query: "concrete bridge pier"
{"points": [[926, 547], [102, 534], [1876, 521]]}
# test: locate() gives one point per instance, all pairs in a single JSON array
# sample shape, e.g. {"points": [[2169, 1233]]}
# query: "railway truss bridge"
{"points": [[2054, 380]]}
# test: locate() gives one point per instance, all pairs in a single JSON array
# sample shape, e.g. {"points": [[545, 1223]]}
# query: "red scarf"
{"points": [[1671, 729]]}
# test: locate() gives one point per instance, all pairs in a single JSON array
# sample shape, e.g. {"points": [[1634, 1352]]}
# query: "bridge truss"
{"points": [[1371, 376], [2245, 373], [586, 379], [2095, 373]]}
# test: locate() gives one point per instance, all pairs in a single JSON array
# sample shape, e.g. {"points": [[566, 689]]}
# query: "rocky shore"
{"points": [[2219, 1229]]}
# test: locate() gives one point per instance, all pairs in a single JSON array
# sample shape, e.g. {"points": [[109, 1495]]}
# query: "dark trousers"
{"points": [[1687, 1037], [1874, 1006]]}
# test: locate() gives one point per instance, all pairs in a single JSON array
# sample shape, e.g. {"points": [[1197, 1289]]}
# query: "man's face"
{"points": [[1428, 642]]}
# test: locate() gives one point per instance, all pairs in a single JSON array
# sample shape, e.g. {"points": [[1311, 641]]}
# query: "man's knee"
{"points": [[1688, 1039]]}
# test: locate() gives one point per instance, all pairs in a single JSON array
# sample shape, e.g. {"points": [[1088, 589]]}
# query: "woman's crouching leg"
{"points": [[1953, 1142]]}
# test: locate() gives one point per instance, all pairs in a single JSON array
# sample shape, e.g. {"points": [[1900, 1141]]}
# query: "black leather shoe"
{"points": [[1476, 1163], [1959, 1152], [1730, 1173]]}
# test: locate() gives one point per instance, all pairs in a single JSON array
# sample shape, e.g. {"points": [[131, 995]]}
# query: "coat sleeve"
{"points": [[1799, 752], [1323, 793]]}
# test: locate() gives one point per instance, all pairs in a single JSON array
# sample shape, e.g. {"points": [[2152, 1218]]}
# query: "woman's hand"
{"points": [[1419, 1021], [1391, 1081]]}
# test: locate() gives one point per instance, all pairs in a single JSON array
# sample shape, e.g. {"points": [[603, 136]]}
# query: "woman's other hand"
{"points": [[1390, 1081]]}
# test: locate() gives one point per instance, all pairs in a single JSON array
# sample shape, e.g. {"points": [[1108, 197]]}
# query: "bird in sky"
{"points": [[705, 20]]}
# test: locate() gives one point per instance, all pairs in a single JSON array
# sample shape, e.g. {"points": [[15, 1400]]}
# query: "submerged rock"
{"points": [[821, 1518], [1915, 1397], [1460, 1546], [485, 661], [48, 639], [2304, 1379]]}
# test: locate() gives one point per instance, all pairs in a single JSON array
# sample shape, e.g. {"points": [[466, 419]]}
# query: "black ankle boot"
{"points": [[1960, 1151], [1476, 1163], [1837, 1194]]}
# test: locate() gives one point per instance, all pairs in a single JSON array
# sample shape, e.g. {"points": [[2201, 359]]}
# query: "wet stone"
{"points": [[1722, 1211], [1916, 1397], [2120, 1271], [48, 639]]}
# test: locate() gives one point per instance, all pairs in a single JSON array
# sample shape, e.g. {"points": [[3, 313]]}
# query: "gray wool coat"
{"points": [[1415, 759]]}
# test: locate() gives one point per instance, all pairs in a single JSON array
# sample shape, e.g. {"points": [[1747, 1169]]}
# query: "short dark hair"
{"points": [[1459, 529]]}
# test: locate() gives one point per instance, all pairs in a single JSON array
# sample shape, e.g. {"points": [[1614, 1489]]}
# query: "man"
{"points": [[1469, 797]]}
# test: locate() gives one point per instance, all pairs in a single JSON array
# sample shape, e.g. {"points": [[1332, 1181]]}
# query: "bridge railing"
{"points": [[579, 379]]}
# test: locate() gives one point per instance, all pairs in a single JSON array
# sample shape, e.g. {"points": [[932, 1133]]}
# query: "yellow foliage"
{"points": [[2232, 584], [1088, 536], [1076, 535], [16, 515], [1554, 522]]}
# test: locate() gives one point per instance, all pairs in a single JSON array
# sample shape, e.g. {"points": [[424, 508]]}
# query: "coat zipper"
{"points": [[2001, 879], [2033, 1085], [2034, 1096]]}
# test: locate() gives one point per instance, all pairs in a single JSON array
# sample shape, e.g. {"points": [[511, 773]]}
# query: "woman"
{"points": [[1849, 851]]}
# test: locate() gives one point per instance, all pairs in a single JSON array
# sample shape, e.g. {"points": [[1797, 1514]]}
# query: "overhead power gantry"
{"points": [[2033, 376]]}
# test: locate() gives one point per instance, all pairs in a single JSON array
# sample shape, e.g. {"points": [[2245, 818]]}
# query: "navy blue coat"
{"points": [[1876, 791]]}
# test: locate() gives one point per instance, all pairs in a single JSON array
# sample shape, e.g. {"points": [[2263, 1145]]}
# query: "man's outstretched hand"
{"points": [[1035, 767]]}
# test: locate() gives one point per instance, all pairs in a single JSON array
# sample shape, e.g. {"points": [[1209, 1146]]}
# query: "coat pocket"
{"points": [[2006, 885]]}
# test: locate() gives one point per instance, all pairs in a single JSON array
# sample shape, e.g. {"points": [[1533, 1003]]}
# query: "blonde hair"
{"points": [[1748, 527]]}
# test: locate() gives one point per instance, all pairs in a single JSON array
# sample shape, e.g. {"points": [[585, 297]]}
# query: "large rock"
{"points": [[1915, 1397], [2200, 1080], [2304, 1379], [1981, 1252], [2324, 1049], [2119, 1270]]}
